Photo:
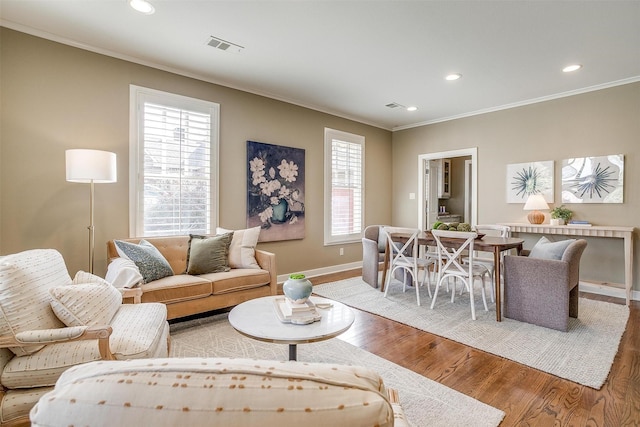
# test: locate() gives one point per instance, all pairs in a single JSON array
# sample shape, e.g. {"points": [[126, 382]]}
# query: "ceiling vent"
{"points": [[224, 45], [395, 105]]}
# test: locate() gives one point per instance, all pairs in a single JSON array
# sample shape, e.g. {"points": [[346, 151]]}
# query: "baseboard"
{"points": [[323, 271], [610, 291]]}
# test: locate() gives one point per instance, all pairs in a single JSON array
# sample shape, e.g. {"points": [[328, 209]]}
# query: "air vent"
{"points": [[395, 105], [224, 45]]}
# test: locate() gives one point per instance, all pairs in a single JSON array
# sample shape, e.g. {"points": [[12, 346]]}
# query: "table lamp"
{"points": [[535, 203], [91, 166]]}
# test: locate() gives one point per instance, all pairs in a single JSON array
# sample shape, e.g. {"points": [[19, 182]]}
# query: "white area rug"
{"points": [[425, 402], [584, 354]]}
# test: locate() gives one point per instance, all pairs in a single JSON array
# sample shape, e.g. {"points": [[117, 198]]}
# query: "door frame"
{"points": [[473, 152]]}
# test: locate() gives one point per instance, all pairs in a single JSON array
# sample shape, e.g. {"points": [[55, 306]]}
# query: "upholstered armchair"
{"points": [[544, 291], [373, 248], [49, 323]]}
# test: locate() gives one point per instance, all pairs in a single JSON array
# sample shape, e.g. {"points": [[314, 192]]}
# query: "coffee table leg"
{"points": [[293, 352]]}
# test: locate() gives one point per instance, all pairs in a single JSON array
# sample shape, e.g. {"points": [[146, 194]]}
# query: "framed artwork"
{"points": [[524, 179], [593, 179], [275, 191]]}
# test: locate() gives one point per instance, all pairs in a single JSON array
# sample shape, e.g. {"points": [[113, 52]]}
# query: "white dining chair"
{"points": [[452, 266], [486, 258], [404, 247]]}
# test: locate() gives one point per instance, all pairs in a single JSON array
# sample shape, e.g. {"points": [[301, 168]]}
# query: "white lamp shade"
{"points": [[535, 202], [91, 165]]}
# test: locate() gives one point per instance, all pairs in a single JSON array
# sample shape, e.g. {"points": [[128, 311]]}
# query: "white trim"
{"points": [[323, 270], [473, 152], [594, 288]]}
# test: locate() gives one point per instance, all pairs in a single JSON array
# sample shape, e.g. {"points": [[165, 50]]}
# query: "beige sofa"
{"points": [[219, 391], [185, 294]]}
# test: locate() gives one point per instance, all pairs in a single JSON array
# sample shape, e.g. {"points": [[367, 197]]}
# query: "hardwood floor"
{"points": [[528, 397]]}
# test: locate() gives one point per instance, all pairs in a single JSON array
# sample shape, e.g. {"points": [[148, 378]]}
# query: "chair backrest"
{"points": [[402, 247], [374, 232], [452, 257], [494, 229]]}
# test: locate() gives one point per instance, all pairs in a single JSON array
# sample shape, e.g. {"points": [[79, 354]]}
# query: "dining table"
{"points": [[494, 244]]}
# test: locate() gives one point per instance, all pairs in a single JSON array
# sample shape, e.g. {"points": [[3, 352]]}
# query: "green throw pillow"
{"points": [[208, 254], [547, 249], [147, 258]]}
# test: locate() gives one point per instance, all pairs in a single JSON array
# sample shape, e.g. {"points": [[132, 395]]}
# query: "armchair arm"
{"points": [[267, 261], [370, 261], [60, 335], [134, 293], [545, 277]]}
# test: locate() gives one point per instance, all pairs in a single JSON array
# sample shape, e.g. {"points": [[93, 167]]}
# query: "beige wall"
{"points": [[591, 124], [55, 97]]}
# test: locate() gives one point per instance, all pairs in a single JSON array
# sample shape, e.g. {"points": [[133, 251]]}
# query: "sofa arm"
{"points": [[267, 261], [61, 335]]}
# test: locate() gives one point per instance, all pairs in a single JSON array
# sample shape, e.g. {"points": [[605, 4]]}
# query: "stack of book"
{"points": [[580, 223], [289, 311]]}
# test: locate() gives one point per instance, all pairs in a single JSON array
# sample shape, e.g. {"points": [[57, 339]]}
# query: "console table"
{"points": [[625, 233]]}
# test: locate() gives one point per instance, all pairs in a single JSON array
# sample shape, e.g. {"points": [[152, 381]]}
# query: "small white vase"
{"points": [[557, 221]]}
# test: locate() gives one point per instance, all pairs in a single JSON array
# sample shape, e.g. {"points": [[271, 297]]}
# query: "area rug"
{"points": [[583, 355], [424, 401]]}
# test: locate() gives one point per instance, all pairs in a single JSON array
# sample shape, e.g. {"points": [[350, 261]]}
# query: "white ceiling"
{"points": [[351, 58]]}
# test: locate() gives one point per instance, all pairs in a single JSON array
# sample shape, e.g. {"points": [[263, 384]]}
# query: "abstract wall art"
{"points": [[275, 191], [598, 179], [524, 179]]}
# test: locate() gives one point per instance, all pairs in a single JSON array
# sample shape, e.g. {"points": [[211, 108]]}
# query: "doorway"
{"points": [[426, 207]]}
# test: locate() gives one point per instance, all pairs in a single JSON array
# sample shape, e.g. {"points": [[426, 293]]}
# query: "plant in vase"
{"points": [[560, 215], [297, 288]]}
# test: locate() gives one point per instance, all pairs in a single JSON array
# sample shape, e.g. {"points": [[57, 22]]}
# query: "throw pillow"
{"points": [[242, 251], [85, 304], [547, 249], [208, 254], [148, 259]]}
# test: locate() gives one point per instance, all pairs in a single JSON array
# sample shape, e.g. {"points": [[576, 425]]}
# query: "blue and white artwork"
{"points": [[598, 179], [525, 179]]}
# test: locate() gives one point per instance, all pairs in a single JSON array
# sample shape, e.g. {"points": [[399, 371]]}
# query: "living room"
{"points": [[56, 97]]}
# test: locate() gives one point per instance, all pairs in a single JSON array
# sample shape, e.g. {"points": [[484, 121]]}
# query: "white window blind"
{"points": [[175, 148], [344, 186]]}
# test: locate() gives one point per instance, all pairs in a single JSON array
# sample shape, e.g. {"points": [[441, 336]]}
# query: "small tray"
{"points": [[297, 319]]}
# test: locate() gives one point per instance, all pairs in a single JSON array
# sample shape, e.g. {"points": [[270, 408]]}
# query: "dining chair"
{"points": [[486, 258], [404, 256], [451, 265]]}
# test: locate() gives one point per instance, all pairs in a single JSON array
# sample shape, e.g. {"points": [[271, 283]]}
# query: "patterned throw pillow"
{"points": [[242, 250], [150, 262], [85, 304], [208, 254]]}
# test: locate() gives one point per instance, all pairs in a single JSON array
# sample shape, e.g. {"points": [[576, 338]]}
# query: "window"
{"points": [[344, 186], [173, 164]]}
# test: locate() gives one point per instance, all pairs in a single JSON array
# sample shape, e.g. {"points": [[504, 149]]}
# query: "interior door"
{"points": [[431, 191]]}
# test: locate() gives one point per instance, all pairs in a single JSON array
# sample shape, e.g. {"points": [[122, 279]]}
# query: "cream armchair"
{"points": [[49, 323]]}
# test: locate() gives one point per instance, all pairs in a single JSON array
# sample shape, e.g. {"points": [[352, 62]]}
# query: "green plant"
{"points": [[296, 276], [560, 212]]}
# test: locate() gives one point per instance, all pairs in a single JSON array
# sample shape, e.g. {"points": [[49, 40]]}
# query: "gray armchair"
{"points": [[543, 292], [373, 247]]}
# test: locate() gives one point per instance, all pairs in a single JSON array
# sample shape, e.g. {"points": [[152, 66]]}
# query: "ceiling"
{"points": [[352, 58]]}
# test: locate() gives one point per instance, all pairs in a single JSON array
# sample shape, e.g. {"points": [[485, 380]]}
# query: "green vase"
{"points": [[280, 212]]}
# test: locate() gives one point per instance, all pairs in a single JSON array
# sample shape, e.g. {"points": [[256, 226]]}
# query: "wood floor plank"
{"points": [[528, 397]]}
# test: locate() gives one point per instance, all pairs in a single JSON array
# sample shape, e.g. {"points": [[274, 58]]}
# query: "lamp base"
{"points": [[536, 217]]}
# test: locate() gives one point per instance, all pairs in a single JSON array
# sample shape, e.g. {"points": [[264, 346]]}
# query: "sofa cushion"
{"points": [[152, 264], [208, 254], [25, 280], [85, 304], [216, 391], [138, 331], [181, 287], [237, 279], [546, 249], [242, 251]]}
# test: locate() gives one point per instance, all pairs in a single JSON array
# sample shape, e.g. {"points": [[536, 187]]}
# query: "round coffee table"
{"points": [[257, 319]]}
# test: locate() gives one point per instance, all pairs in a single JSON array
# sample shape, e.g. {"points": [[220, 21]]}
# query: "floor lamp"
{"points": [[91, 166]]}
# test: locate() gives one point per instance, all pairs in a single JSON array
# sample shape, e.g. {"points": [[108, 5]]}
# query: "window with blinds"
{"points": [[174, 152], [344, 186]]}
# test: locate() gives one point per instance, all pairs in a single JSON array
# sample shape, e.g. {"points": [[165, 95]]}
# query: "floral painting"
{"points": [[593, 179], [275, 191], [524, 179]]}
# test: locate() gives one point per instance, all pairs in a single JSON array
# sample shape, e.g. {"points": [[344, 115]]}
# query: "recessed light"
{"points": [[570, 68], [142, 6], [453, 76], [412, 108]]}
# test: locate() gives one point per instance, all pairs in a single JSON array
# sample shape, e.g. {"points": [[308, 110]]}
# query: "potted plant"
{"points": [[560, 215]]}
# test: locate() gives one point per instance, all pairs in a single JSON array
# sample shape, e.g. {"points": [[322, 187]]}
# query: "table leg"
{"points": [[293, 352], [496, 275], [384, 267]]}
